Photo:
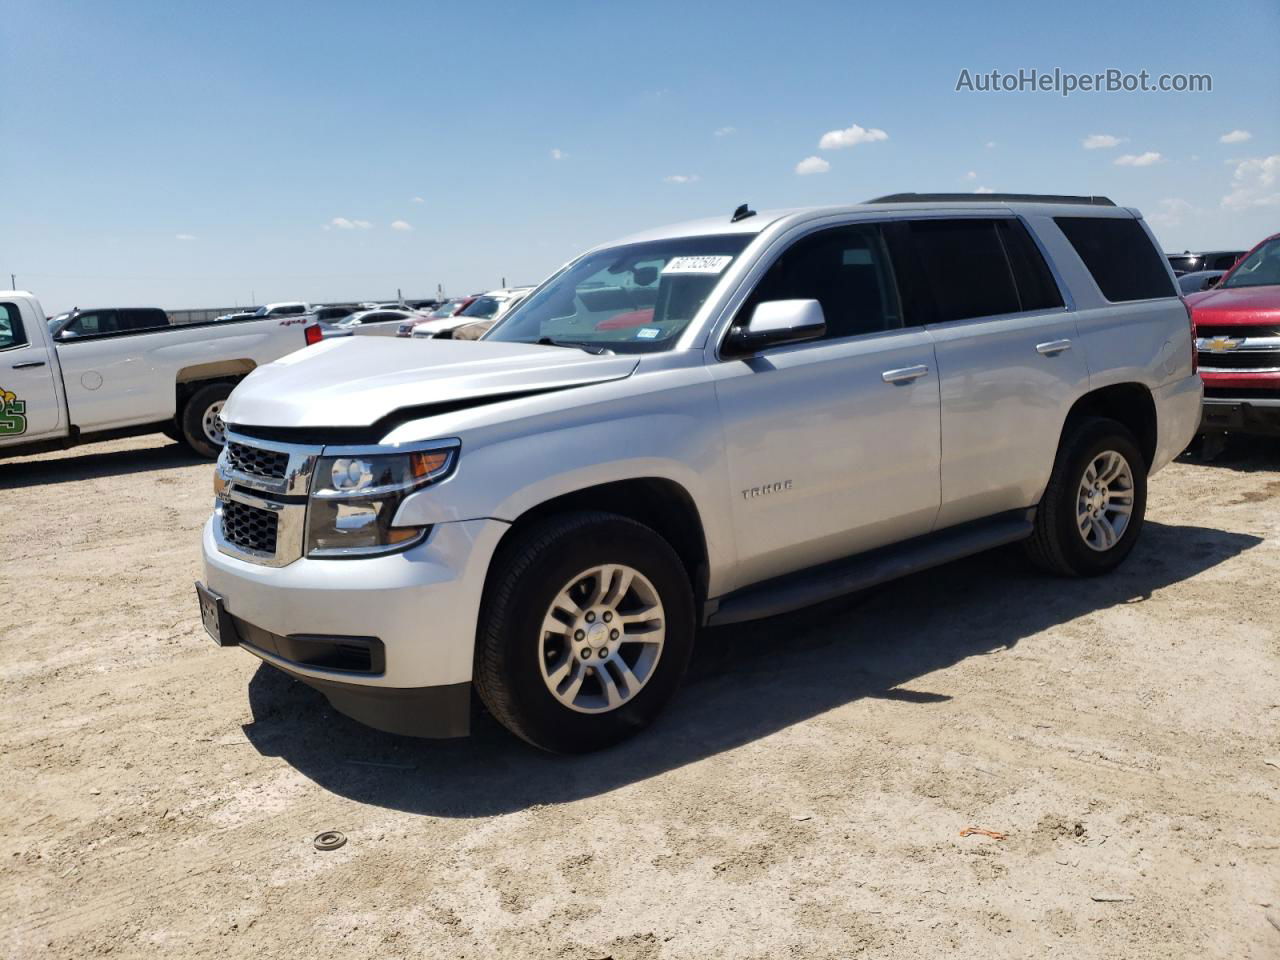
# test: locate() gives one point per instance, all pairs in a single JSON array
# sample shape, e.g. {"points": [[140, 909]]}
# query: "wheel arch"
{"points": [[660, 503], [190, 379], [1128, 403]]}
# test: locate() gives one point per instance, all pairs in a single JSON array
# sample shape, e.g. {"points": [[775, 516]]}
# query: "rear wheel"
{"points": [[201, 419], [586, 630], [1094, 505]]}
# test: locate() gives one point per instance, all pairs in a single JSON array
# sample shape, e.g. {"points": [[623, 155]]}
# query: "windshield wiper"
{"points": [[592, 348]]}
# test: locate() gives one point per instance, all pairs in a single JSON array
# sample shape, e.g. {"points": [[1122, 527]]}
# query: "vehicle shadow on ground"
{"points": [[747, 681], [1243, 454], [91, 466]]}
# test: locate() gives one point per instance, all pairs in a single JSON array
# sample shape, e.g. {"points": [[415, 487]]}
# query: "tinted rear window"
{"points": [[1120, 256], [964, 263], [1037, 290], [143, 319]]}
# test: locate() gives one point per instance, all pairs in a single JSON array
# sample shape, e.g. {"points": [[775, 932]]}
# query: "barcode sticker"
{"points": [[706, 265]]}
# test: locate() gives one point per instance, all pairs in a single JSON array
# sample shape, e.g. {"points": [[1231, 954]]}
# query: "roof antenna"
{"points": [[742, 213]]}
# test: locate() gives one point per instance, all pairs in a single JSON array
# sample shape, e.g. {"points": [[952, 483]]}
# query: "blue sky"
{"points": [[192, 154]]}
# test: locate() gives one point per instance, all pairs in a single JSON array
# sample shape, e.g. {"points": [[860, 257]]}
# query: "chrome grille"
{"points": [[257, 462], [249, 528]]}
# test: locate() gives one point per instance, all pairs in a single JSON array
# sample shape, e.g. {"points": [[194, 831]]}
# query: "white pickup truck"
{"points": [[60, 386]]}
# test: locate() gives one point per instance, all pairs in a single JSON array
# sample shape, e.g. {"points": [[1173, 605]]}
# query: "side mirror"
{"points": [[776, 322]]}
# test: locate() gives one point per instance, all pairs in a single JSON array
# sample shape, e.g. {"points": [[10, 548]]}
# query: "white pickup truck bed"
{"points": [[59, 392]]}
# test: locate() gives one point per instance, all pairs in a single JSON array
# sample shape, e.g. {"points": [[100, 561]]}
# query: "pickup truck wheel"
{"points": [[201, 419], [585, 631], [1093, 508]]}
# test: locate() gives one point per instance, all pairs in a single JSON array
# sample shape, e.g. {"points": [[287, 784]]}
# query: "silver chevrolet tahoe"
{"points": [[698, 425]]}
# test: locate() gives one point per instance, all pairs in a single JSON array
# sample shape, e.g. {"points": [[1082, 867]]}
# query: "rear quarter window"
{"points": [[1120, 256]]}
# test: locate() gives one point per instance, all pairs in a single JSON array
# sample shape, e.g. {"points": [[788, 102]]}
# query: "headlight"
{"points": [[355, 496]]}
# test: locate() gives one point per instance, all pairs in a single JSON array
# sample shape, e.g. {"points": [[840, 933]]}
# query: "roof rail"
{"points": [[991, 198]]}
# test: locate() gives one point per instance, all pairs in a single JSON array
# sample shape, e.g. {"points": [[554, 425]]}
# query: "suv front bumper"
{"points": [[389, 640]]}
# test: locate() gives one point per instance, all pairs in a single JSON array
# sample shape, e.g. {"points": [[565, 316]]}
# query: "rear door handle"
{"points": [[904, 374], [28, 365], [1053, 347]]}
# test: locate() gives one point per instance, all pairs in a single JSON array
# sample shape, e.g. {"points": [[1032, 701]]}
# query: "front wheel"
{"points": [[586, 629], [1095, 503], [201, 420]]}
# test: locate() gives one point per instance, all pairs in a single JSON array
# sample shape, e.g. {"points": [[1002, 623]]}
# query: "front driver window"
{"points": [[846, 269]]}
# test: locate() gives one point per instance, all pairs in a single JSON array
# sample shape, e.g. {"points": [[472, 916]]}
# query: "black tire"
{"points": [[1057, 545], [193, 416], [527, 574]]}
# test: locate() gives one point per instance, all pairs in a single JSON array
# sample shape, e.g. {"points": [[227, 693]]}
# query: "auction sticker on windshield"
{"points": [[705, 265]]}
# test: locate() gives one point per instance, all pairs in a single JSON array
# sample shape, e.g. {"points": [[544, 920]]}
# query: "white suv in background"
{"points": [[486, 307], [701, 424]]}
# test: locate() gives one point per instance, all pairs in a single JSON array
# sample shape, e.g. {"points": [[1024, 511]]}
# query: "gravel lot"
{"points": [[803, 797]]}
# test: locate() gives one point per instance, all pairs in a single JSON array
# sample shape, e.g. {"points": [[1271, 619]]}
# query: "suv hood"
{"points": [[357, 381], [1245, 305]]}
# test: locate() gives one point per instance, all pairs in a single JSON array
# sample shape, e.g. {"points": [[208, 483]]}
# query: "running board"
{"points": [[830, 580]]}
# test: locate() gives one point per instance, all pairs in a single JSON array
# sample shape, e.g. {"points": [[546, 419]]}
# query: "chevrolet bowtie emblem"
{"points": [[1222, 344]]}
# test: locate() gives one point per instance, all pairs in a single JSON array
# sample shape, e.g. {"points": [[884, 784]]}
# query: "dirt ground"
{"points": [[803, 797]]}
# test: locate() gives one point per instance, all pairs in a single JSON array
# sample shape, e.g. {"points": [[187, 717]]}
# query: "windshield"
{"points": [[1260, 269], [447, 310], [636, 298], [482, 308]]}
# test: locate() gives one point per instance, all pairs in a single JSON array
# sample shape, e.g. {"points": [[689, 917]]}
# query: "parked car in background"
{"points": [[824, 399], [1238, 339], [425, 306], [333, 313], [444, 311], [381, 322], [1198, 280], [289, 308], [244, 314], [1188, 262], [96, 322], [471, 331], [489, 307], [98, 374]]}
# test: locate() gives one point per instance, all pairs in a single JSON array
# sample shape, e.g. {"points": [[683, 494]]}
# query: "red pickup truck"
{"points": [[1238, 342]]}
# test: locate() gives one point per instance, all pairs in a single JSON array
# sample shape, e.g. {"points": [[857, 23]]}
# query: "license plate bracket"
{"points": [[217, 622]]}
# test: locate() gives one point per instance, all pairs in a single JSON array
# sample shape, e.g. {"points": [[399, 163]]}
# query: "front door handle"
{"points": [[28, 365], [904, 374], [1053, 347]]}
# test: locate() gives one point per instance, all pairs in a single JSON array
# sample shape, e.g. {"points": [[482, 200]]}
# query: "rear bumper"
{"points": [[1259, 416]]}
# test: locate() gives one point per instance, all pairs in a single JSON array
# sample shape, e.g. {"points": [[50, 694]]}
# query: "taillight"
{"points": [[312, 334], [1195, 354]]}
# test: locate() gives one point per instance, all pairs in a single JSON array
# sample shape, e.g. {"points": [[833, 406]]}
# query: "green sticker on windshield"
{"points": [[13, 414]]}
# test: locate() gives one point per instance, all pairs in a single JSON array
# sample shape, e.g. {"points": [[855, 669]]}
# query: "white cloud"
{"points": [[850, 137], [1171, 212], [342, 223], [417, 200], [984, 190], [991, 144], [812, 165], [401, 225], [681, 178], [185, 236], [558, 154], [971, 175], [1101, 141], [725, 131], [1256, 183], [1138, 159], [1235, 136]]}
